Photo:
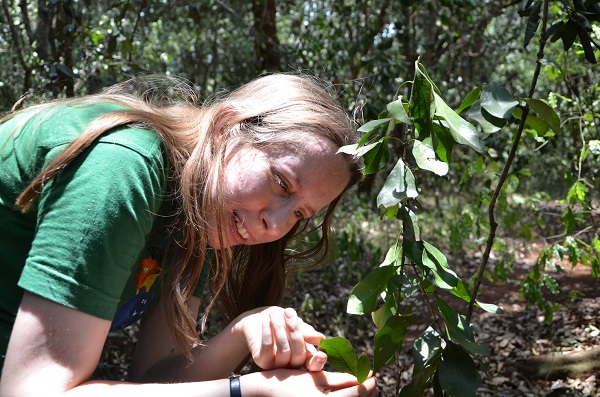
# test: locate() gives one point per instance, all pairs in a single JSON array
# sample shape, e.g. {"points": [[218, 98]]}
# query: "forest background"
{"points": [[537, 181]]}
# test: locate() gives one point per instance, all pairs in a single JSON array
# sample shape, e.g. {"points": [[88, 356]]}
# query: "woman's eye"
{"points": [[281, 183], [299, 214]]}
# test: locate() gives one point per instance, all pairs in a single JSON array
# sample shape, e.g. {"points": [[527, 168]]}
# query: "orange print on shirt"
{"points": [[149, 270]]}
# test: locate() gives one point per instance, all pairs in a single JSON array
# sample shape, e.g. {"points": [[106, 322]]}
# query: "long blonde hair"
{"points": [[275, 110]]}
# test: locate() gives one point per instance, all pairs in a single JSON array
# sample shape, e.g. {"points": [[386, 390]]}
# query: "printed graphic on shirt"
{"points": [[133, 308]]}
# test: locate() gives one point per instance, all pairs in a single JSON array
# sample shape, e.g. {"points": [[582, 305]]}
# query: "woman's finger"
{"points": [[367, 389], [282, 346], [315, 359], [296, 338], [266, 354], [311, 335]]}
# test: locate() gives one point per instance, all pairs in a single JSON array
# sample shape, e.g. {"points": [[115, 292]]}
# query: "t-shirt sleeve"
{"points": [[94, 219]]}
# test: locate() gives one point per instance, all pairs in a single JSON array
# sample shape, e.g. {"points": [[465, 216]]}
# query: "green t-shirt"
{"points": [[93, 238]]}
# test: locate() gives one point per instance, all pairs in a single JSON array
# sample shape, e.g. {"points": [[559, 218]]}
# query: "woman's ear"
{"points": [[223, 122]]}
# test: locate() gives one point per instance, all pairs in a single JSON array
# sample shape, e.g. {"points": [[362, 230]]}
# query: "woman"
{"points": [[110, 206]]}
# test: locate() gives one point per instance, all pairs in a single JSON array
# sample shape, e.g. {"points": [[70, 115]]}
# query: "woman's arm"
{"points": [[54, 349], [275, 337]]}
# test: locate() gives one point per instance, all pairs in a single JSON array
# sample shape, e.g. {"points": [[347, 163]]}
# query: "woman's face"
{"points": [[269, 189]]}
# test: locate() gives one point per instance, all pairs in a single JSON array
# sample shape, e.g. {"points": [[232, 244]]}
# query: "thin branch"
{"points": [[505, 171]]}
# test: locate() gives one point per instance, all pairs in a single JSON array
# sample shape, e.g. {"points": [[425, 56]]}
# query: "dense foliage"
{"points": [[477, 115]]}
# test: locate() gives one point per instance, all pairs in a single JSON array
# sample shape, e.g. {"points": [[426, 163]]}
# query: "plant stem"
{"points": [[506, 169]]}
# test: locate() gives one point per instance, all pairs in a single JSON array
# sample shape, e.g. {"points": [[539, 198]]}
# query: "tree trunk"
{"points": [[266, 43]]}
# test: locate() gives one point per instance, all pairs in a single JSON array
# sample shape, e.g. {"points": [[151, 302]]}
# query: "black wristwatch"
{"points": [[234, 386]]}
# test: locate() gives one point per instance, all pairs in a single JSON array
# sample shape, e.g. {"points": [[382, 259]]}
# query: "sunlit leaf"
{"points": [[373, 124], [381, 315], [397, 111], [489, 307], [369, 128], [363, 298], [436, 261], [393, 255], [476, 113], [462, 131], [577, 193], [340, 354], [470, 99], [425, 157], [457, 372], [399, 185], [498, 101], [425, 347]]}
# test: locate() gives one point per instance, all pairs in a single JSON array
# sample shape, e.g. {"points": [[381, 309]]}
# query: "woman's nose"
{"points": [[278, 220]]}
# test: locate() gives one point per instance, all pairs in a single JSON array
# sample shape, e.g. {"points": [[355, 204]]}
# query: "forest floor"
{"points": [[513, 337]]}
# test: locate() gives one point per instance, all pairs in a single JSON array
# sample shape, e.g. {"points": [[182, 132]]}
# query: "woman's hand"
{"points": [[289, 382], [278, 338]]}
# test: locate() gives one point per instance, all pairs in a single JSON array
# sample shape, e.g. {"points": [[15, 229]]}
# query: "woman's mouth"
{"points": [[240, 228]]}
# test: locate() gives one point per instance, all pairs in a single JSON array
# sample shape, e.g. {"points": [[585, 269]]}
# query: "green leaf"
{"points": [[397, 111], [462, 131], [498, 101], [436, 261], [570, 34], [340, 354], [363, 368], [490, 308], [461, 291], [577, 193], [363, 298], [457, 372], [425, 347], [376, 158], [586, 43], [410, 229], [421, 105], [419, 382], [393, 255], [369, 128], [470, 99], [425, 157], [381, 315], [410, 285], [458, 329], [596, 244], [532, 22], [555, 31], [389, 338], [444, 143], [539, 125], [373, 124], [545, 112], [399, 185], [488, 123]]}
